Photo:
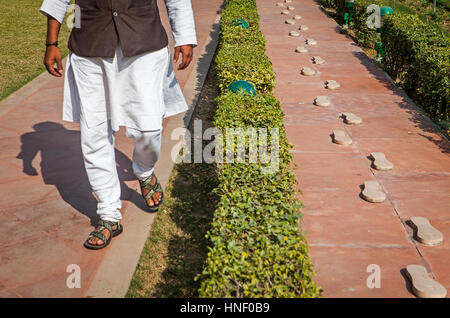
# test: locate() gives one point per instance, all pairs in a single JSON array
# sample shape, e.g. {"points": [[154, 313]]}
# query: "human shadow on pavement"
{"points": [[62, 165]]}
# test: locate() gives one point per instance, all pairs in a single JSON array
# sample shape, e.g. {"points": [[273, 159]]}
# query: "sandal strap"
{"points": [[106, 225], [152, 188], [103, 225], [97, 234]]}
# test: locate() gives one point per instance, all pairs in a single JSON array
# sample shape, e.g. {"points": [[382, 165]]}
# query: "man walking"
{"points": [[119, 73]]}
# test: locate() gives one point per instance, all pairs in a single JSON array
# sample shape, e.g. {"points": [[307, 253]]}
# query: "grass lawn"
{"points": [[176, 248], [424, 9], [22, 38]]}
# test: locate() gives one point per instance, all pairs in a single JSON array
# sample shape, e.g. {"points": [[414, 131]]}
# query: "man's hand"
{"points": [[52, 56], [187, 52]]}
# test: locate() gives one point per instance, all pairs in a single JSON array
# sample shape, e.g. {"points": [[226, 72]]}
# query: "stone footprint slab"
{"points": [[290, 21], [423, 285], [301, 49], [294, 33], [426, 233], [308, 71], [286, 12], [303, 28], [290, 8], [311, 42], [373, 192], [280, 4], [380, 162], [332, 84], [297, 17], [318, 60], [322, 101], [341, 138], [351, 119]]}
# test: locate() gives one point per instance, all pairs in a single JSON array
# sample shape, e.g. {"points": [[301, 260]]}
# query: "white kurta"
{"points": [[135, 92]]}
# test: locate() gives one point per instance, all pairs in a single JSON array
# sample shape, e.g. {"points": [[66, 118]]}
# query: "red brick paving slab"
{"points": [[290, 91], [421, 194], [308, 114], [39, 259], [400, 150], [332, 171], [8, 294], [377, 227], [15, 231], [342, 271], [317, 138], [345, 232]]}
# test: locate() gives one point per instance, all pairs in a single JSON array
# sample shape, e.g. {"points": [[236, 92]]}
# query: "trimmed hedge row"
{"points": [[417, 56], [257, 247]]}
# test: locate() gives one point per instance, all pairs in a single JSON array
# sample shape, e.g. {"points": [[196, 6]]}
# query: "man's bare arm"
{"points": [[52, 53]]}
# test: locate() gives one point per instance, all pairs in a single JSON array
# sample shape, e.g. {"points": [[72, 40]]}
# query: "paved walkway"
{"points": [[46, 206], [346, 233]]}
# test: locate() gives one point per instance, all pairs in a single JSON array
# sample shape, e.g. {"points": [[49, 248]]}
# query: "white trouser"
{"points": [[97, 145]]}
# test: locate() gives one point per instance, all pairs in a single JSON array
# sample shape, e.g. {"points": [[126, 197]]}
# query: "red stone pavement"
{"points": [[346, 233], [46, 206]]}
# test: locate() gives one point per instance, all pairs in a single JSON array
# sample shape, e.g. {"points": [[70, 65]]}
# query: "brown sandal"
{"points": [[152, 190]]}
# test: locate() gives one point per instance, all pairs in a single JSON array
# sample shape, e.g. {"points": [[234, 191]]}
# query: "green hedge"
{"points": [[257, 247], [417, 55]]}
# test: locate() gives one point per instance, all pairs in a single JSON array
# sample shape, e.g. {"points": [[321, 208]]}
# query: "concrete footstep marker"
{"points": [[297, 17], [308, 71], [318, 60], [285, 12], [290, 21], [311, 42], [280, 4], [332, 84], [303, 28], [322, 101], [380, 162], [341, 138], [291, 8], [426, 233], [288, 1], [351, 119], [294, 33], [423, 285], [301, 49], [373, 192]]}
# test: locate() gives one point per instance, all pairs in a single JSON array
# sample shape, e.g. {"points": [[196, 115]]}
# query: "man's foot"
{"points": [[101, 236], [151, 191]]}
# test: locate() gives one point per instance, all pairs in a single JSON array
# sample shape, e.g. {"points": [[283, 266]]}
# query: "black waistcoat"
{"points": [[103, 22]]}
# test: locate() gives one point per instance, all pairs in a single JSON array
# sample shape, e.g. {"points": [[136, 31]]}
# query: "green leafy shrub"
{"points": [[257, 247], [417, 55], [240, 62]]}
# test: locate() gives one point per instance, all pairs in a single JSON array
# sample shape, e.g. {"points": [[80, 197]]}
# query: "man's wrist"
{"points": [[47, 44]]}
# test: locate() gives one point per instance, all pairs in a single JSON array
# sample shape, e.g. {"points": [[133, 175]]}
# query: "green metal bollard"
{"points": [[348, 12], [379, 47]]}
